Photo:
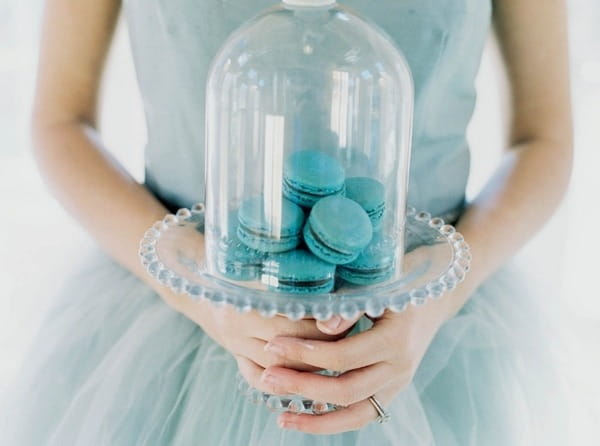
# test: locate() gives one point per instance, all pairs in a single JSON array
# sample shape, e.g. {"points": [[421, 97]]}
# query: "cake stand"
{"points": [[436, 259]]}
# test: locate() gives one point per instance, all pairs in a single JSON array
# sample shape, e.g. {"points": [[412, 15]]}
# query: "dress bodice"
{"points": [[174, 42]]}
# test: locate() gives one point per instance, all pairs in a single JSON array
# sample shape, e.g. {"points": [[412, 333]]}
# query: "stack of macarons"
{"points": [[324, 226]]}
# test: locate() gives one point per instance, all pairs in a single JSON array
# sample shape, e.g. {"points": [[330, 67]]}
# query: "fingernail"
{"points": [[332, 324], [274, 348], [268, 378], [287, 425]]}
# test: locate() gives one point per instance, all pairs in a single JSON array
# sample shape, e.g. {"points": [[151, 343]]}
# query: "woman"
{"points": [[124, 361]]}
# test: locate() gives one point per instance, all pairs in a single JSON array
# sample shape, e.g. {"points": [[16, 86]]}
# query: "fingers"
{"points": [[343, 390], [305, 328], [257, 326], [351, 418], [253, 349], [249, 370], [231, 323], [337, 324], [363, 349]]}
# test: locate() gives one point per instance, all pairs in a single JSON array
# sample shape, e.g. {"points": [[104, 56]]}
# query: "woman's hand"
{"points": [[245, 335], [380, 361]]}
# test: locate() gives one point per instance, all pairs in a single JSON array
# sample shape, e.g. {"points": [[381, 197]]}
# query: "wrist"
{"points": [[178, 302], [454, 300]]}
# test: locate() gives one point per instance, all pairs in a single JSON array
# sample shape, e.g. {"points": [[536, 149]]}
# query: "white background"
{"points": [[38, 240]]}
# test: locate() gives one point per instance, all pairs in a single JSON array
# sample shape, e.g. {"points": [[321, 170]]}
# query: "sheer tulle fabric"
{"points": [[113, 365]]}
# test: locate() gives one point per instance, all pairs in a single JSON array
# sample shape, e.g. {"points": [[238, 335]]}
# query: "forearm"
{"points": [[516, 202], [95, 189]]}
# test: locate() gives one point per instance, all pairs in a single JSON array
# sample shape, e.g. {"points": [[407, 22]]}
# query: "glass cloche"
{"points": [[308, 135]]}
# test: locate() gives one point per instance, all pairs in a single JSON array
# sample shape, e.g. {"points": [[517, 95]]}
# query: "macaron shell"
{"points": [[310, 175], [366, 278], [341, 224], [354, 161], [236, 261], [292, 289], [304, 198], [374, 265], [370, 194], [265, 244], [252, 215], [298, 271], [322, 251], [260, 233]]}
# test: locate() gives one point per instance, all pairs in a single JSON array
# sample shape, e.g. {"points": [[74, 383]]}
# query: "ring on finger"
{"points": [[383, 415]]}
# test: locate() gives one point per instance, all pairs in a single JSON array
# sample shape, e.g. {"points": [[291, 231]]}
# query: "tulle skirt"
{"points": [[113, 365]]}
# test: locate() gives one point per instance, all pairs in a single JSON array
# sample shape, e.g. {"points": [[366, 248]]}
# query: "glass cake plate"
{"points": [[436, 259], [172, 251]]}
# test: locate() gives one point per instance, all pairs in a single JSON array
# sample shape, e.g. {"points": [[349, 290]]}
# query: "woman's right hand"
{"points": [[245, 335]]}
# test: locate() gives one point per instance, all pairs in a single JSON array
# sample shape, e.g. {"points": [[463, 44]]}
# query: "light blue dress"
{"points": [[113, 365]]}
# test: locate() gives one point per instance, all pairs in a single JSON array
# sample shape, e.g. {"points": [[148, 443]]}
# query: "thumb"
{"points": [[336, 324]]}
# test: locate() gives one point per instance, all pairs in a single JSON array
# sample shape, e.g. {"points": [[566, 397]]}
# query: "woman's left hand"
{"points": [[380, 361]]}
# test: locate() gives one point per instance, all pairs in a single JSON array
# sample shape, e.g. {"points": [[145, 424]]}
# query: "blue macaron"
{"points": [[375, 263], [309, 175], [236, 261], [370, 194], [355, 162], [298, 272], [337, 230], [278, 232]]}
